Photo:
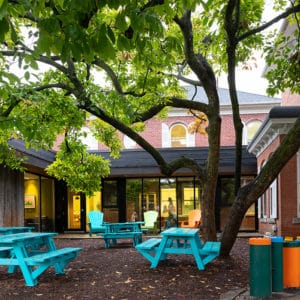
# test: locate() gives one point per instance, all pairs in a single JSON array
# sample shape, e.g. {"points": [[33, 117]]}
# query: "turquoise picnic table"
{"points": [[34, 253], [15, 229], [179, 241], [125, 230]]}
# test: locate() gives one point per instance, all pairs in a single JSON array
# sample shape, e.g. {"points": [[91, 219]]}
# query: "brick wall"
{"points": [[290, 99], [286, 197], [153, 131]]}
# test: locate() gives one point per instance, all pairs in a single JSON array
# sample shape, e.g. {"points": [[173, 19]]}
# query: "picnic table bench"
{"points": [[33, 253], [115, 231], [179, 241]]}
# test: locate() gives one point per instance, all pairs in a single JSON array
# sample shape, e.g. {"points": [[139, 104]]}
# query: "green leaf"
{"points": [[3, 8], [123, 43], [27, 75], [120, 22], [106, 48], [4, 27]]}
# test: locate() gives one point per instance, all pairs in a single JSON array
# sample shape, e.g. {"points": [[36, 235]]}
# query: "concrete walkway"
{"points": [[244, 294]]}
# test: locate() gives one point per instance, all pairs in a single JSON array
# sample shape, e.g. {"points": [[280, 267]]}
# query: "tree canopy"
{"points": [[54, 54]]}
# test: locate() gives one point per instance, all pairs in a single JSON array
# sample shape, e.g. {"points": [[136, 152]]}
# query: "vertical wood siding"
{"points": [[11, 197]]}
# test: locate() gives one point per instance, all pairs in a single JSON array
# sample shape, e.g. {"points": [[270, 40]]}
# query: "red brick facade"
{"points": [[153, 132], [286, 222]]}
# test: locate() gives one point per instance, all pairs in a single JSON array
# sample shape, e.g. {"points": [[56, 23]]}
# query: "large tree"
{"points": [[142, 49]]}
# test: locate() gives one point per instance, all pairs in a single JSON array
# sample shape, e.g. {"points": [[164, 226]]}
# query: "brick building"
{"points": [[279, 206]]}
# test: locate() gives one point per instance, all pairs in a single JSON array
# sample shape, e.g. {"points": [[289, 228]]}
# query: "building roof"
{"points": [[37, 158], [138, 163], [244, 97], [279, 121]]}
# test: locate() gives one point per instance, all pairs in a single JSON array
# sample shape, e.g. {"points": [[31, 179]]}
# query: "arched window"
{"points": [[250, 130], [178, 136]]}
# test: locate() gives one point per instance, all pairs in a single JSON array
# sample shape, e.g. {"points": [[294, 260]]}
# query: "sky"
{"points": [[250, 81]]}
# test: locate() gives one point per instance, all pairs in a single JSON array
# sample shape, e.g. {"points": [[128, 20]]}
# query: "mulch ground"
{"points": [[120, 272]]}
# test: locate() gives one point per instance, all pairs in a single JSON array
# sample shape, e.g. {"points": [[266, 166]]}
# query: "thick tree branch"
{"points": [[251, 192], [12, 105], [231, 26], [285, 14], [44, 59], [171, 102], [54, 85], [109, 71], [166, 169]]}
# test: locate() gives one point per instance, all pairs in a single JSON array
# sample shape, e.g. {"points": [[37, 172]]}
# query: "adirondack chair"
{"points": [[150, 218], [96, 223], [194, 219]]}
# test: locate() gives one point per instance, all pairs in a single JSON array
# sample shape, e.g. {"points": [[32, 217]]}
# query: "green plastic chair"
{"points": [[150, 218], [96, 223]]}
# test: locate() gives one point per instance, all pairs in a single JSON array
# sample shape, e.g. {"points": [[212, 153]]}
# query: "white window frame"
{"points": [[298, 184], [128, 142], [264, 205], [273, 199], [165, 136], [262, 201]]}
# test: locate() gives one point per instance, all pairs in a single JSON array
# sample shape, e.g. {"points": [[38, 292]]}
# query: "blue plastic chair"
{"points": [[96, 223]]}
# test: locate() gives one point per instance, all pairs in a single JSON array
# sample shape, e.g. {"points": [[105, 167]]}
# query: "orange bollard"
{"points": [[291, 264]]}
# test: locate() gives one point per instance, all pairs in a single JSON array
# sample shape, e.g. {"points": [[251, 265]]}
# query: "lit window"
{"points": [[178, 136]]}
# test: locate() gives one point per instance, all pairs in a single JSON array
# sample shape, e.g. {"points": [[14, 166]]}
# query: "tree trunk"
{"points": [[250, 193]]}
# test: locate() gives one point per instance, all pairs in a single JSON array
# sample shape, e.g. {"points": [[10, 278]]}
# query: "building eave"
{"points": [[279, 121]]}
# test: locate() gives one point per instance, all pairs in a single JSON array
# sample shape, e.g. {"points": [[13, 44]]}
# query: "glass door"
{"points": [[168, 203], [74, 212]]}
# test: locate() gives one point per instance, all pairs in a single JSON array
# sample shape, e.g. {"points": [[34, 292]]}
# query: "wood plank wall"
{"points": [[11, 197]]}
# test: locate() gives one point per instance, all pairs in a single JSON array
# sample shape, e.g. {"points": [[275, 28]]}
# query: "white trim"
{"points": [[190, 139], [298, 184], [273, 199], [269, 133], [259, 208], [165, 136], [128, 142]]}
